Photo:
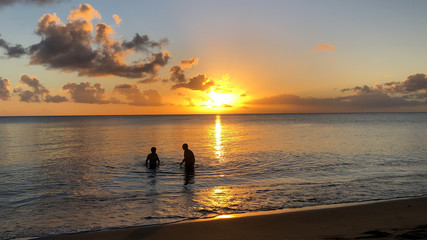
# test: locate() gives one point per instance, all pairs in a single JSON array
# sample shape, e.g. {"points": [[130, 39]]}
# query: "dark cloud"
{"points": [[360, 90], [143, 43], [412, 92], [413, 83], [200, 82], [177, 76], [86, 93], [138, 97], [4, 3], [12, 51], [413, 87], [362, 101], [4, 89], [38, 92], [71, 47]]}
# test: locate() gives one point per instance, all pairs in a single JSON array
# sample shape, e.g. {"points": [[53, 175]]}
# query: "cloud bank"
{"points": [[412, 92]]}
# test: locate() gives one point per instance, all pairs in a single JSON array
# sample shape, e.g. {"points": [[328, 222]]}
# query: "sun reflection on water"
{"points": [[222, 199], [218, 141], [225, 216]]}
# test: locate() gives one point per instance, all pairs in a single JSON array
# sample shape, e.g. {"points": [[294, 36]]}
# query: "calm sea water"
{"points": [[70, 174]]}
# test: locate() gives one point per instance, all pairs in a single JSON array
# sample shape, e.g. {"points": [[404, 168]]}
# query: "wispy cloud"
{"points": [[324, 47], [188, 63], [117, 19], [4, 3], [12, 51]]}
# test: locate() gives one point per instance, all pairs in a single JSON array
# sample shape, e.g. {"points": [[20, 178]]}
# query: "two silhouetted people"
{"points": [[153, 160]]}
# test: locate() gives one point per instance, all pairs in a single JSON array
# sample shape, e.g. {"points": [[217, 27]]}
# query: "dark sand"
{"points": [[396, 219]]}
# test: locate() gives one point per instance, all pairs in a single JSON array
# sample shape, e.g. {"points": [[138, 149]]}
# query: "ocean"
{"points": [[78, 173]]}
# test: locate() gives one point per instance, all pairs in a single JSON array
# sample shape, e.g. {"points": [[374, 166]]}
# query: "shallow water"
{"points": [[68, 174]]}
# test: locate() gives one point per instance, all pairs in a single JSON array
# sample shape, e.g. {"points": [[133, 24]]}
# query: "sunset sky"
{"points": [[92, 57]]}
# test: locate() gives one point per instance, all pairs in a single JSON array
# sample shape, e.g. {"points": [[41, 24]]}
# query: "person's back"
{"points": [[189, 158], [152, 159]]}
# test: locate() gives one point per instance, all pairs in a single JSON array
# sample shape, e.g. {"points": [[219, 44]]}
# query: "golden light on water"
{"points": [[222, 198], [218, 145], [225, 216]]}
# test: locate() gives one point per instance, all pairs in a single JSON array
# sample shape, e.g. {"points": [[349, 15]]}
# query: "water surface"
{"points": [[69, 174]]}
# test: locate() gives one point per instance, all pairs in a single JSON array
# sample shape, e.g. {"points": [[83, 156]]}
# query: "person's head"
{"points": [[185, 146], [153, 149]]}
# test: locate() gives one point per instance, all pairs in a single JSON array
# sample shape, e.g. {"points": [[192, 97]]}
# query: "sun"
{"points": [[220, 99]]}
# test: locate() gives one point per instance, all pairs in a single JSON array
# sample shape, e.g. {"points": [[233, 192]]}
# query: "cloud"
{"points": [[12, 51], [413, 85], [117, 19], [143, 43], [38, 92], [85, 12], [412, 92], [72, 48], [189, 63], [4, 89], [86, 93], [365, 101], [200, 82], [152, 79], [138, 97], [324, 47], [4, 3], [177, 76]]}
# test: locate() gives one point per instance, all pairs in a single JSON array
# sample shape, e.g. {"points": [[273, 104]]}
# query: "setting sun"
{"points": [[219, 100]]}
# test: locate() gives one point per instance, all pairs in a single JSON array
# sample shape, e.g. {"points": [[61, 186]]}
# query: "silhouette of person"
{"points": [[189, 159], [153, 160]]}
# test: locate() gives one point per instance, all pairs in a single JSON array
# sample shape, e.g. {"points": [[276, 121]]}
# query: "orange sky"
{"points": [[100, 57]]}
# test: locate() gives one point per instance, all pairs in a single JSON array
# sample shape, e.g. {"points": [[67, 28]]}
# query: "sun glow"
{"points": [[220, 100]]}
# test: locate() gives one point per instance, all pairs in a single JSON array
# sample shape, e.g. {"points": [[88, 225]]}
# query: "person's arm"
{"points": [[158, 160], [146, 161]]}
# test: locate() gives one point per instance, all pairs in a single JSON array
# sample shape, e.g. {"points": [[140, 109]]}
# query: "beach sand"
{"points": [[394, 219]]}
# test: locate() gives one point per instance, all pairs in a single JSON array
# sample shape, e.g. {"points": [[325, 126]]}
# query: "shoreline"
{"points": [[402, 218]]}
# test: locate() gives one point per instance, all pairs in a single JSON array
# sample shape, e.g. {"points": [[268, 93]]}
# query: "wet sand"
{"points": [[394, 219]]}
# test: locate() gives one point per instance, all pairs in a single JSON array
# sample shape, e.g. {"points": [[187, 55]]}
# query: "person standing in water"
{"points": [[189, 159], [153, 160]]}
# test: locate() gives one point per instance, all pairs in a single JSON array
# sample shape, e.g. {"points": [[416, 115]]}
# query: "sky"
{"points": [[93, 57]]}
